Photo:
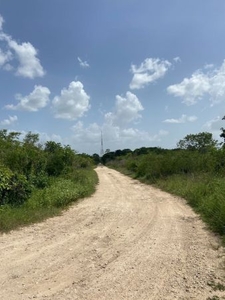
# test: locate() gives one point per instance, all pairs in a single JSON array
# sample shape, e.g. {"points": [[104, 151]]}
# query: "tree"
{"points": [[31, 138], [222, 135], [202, 141], [96, 158]]}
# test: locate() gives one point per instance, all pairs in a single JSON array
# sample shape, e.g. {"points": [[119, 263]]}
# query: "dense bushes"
{"points": [[36, 180], [14, 187]]}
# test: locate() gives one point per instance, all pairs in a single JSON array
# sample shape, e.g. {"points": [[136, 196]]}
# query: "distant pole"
{"points": [[102, 149]]}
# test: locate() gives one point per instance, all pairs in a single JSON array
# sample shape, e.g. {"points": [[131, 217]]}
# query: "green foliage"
{"points": [[222, 135], [201, 141], [195, 172], [12, 218], [37, 181], [14, 188], [96, 159], [204, 193], [50, 201]]}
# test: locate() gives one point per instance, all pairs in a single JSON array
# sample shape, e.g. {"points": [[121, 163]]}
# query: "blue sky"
{"points": [[145, 73]]}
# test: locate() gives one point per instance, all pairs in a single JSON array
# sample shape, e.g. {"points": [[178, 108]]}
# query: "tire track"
{"points": [[127, 241]]}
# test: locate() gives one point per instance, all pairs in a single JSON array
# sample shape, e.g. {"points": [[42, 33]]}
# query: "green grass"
{"points": [[205, 192], [49, 201]]}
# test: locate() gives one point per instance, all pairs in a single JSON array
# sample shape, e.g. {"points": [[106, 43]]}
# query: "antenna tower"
{"points": [[102, 150]]}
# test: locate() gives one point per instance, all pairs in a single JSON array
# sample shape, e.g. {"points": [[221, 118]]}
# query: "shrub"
{"points": [[14, 187]]}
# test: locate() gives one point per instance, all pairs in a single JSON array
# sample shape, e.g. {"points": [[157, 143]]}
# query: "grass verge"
{"points": [[204, 192], [49, 201]]}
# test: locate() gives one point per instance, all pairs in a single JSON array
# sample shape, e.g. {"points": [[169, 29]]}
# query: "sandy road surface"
{"points": [[128, 241]]}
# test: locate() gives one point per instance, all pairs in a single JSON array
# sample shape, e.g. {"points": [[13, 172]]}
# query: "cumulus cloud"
{"points": [[5, 57], [8, 67], [182, 119], [9, 121], [210, 83], [72, 103], [29, 64], [150, 70], [126, 110], [37, 99], [83, 64], [117, 132], [90, 134], [25, 54], [114, 136]]}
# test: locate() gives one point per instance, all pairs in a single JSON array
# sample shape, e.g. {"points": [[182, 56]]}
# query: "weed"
{"points": [[216, 286]]}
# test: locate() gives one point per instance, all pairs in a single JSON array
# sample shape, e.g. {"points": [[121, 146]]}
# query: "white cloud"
{"points": [[36, 100], [83, 64], [177, 59], [182, 119], [90, 134], [72, 103], [43, 136], [126, 110], [8, 67], [116, 132], [208, 66], [1, 22], [149, 71], [9, 121], [214, 126], [114, 137], [5, 57], [200, 84], [191, 89], [28, 64]]}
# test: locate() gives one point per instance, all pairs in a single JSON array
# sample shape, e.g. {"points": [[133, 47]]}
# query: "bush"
{"points": [[50, 201], [14, 187]]}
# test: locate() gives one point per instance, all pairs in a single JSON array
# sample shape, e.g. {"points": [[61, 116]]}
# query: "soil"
{"points": [[127, 241]]}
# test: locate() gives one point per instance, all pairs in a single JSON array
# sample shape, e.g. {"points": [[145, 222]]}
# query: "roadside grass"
{"points": [[204, 192], [50, 201], [217, 286]]}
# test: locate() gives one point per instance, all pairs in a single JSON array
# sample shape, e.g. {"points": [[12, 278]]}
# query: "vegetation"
{"points": [[37, 181], [195, 170]]}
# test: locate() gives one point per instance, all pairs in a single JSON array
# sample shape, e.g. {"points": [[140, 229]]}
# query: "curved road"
{"points": [[127, 241]]}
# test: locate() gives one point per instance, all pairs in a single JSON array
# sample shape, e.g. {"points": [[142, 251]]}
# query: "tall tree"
{"points": [[201, 141]]}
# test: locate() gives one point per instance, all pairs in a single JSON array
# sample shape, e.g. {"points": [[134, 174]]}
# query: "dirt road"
{"points": [[128, 241]]}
